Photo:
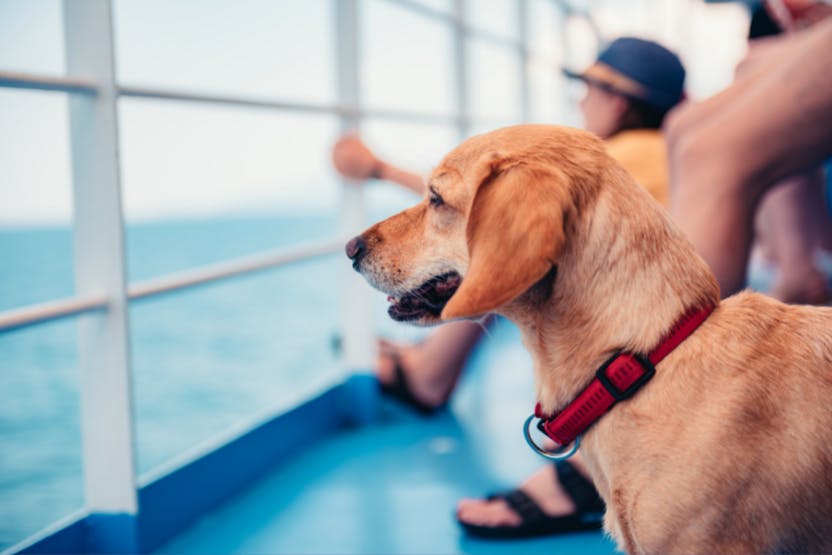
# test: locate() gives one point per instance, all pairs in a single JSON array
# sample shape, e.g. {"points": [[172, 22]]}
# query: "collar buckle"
{"points": [[615, 363]]}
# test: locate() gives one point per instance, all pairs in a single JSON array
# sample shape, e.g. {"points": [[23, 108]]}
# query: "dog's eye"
{"points": [[435, 200]]}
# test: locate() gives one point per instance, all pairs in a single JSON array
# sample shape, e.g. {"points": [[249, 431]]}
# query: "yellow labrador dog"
{"points": [[728, 448]]}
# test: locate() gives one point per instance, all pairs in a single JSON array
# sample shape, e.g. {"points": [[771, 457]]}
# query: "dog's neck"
{"points": [[621, 283]]}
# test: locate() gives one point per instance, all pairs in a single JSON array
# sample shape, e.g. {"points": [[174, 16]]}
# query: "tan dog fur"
{"points": [[728, 449]]}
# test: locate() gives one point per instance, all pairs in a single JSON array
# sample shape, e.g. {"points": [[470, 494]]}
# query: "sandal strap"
{"points": [[533, 521], [579, 489], [519, 501]]}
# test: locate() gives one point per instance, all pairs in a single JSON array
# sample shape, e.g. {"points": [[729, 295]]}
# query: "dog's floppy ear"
{"points": [[515, 234]]}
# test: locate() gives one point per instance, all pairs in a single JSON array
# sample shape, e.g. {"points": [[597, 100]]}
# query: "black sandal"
{"points": [[588, 515], [400, 390]]}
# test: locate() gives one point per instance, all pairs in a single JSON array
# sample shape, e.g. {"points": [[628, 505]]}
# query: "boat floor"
{"points": [[392, 486]]}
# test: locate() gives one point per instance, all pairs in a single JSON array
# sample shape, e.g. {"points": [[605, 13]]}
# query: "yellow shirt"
{"points": [[643, 153]]}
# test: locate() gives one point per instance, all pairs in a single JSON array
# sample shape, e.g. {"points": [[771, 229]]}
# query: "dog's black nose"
{"points": [[356, 248]]}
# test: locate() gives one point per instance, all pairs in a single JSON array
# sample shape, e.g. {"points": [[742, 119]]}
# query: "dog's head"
{"points": [[491, 225]]}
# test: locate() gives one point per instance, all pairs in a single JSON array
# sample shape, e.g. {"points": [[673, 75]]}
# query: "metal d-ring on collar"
{"points": [[561, 455]]}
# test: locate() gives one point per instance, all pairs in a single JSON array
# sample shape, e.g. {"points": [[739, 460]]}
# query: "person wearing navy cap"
{"points": [[631, 87], [639, 69]]}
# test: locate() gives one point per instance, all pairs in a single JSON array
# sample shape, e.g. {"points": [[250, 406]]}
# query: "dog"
{"points": [[728, 448]]}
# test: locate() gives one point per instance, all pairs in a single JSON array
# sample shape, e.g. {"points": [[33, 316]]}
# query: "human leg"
{"points": [[431, 368], [726, 152], [788, 226]]}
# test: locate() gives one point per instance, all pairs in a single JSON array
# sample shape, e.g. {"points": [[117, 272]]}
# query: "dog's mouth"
{"points": [[427, 300]]}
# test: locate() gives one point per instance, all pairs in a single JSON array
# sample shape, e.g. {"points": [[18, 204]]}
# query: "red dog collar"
{"points": [[617, 379]]}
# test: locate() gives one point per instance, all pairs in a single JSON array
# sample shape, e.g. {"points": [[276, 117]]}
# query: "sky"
{"points": [[184, 160]]}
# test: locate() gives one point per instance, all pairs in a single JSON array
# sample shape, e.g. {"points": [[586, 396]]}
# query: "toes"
{"points": [[481, 512]]}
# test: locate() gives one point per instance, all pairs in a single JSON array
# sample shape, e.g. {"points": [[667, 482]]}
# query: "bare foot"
{"points": [[542, 486]]}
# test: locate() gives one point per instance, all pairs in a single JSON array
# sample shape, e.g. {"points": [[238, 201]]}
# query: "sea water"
{"points": [[203, 360]]}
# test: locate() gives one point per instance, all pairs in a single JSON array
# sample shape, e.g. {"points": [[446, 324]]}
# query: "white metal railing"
{"points": [[34, 81], [103, 293], [352, 112], [163, 94], [461, 62], [232, 268], [98, 236], [40, 313], [63, 308], [357, 327]]}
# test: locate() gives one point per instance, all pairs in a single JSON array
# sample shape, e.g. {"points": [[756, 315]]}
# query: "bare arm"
{"points": [[412, 181], [354, 160]]}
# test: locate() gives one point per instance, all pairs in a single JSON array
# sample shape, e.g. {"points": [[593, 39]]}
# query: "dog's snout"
{"points": [[356, 248]]}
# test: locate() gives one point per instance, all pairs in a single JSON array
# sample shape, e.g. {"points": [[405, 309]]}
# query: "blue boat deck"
{"points": [[392, 486]]}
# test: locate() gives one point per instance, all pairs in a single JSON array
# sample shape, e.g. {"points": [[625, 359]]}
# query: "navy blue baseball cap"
{"points": [[639, 69]]}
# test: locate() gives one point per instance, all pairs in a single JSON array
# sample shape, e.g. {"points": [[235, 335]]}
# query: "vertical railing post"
{"points": [[523, 54], [357, 328], [106, 418], [566, 104], [463, 113]]}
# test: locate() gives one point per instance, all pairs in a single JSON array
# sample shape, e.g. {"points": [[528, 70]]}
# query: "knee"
{"points": [[691, 154], [689, 146], [701, 157], [682, 122], [676, 125], [689, 151]]}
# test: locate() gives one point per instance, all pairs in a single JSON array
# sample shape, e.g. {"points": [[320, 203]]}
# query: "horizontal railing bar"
{"points": [[493, 38], [232, 268], [18, 318], [163, 94], [33, 81], [424, 10], [470, 30], [61, 84], [414, 117]]}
